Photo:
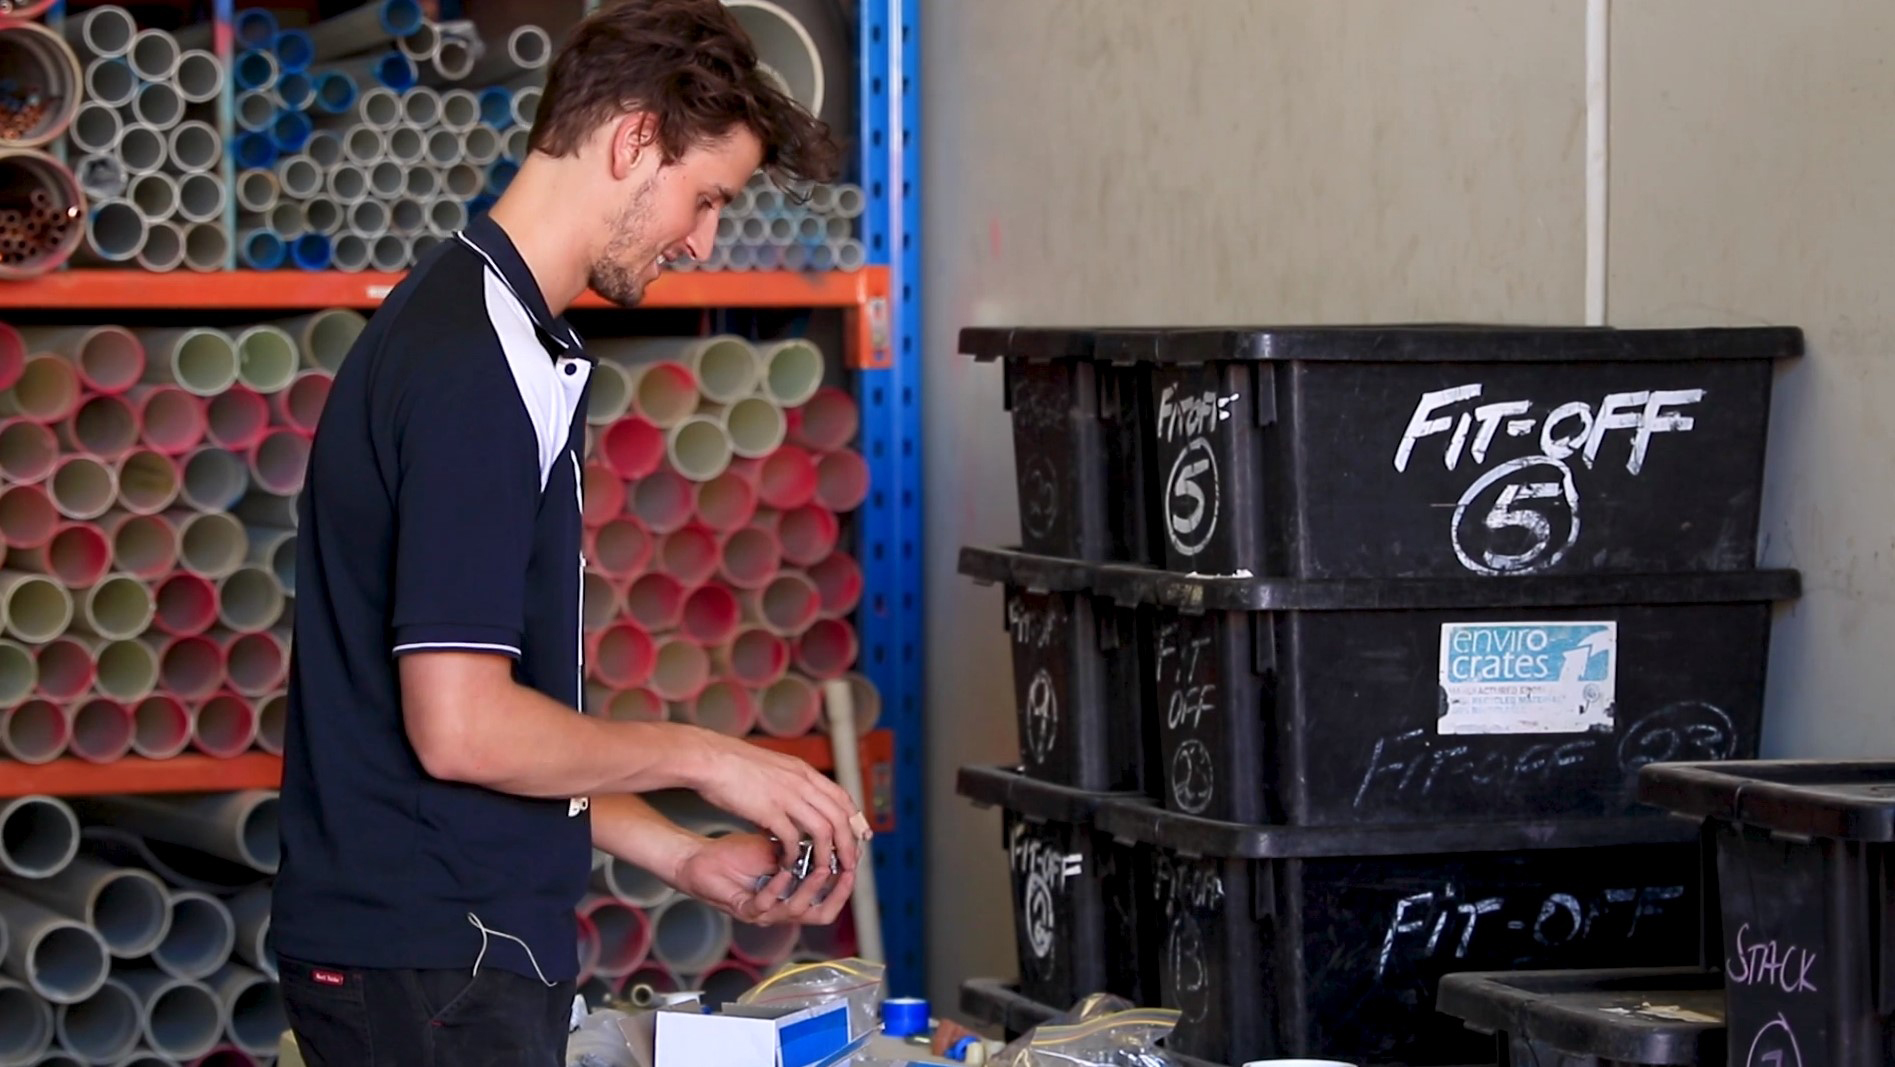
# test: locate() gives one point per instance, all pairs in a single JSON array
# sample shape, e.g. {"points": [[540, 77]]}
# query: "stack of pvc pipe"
{"points": [[769, 228], [718, 588], [113, 956], [42, 209], [145, 144], [147, 533], [369, 137]]}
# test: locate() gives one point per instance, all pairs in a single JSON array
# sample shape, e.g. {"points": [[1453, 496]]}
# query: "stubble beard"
{"points": [[609, 275]]}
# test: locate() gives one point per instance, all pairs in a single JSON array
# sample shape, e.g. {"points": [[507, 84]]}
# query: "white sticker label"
{"points": [[1528, 677]]}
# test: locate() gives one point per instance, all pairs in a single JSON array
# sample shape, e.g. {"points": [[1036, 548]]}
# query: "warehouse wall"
{"points": [[1119, 161]]}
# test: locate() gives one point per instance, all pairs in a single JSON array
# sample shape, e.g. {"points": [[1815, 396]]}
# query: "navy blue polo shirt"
{"points": [[442, 512]]}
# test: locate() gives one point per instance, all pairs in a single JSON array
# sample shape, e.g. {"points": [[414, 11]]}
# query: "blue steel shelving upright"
{"points": [[888, 65]]}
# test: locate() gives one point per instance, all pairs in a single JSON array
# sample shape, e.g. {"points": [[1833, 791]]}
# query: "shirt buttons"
{"points": [[572, 369]]}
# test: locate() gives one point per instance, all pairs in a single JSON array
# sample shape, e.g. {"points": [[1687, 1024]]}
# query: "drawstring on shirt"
{"points": [[486, 933]]}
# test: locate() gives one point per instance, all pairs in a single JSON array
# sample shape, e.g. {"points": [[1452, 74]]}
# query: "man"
{"points": [[441, 797]]}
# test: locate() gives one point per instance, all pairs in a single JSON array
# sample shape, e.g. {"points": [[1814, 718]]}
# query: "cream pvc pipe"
{"points": [[839, 583], [790, 707], [699, 447], [187, 604], [119, 608], [258, 663], [28, 452], [65, 672], [250, 600], [725, 707], [628, 882], [127, 671], [325, 337], [77, 556], [103, 426], [266, 358], [793, 371], [200, 360], [211, 544], [34, 608], [237, 418], [19, 676], [260, 508], [46, 392], [148, 481], [756, 424], [108, 359]]}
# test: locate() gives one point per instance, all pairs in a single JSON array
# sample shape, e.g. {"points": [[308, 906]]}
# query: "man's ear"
{"points": [[634, 138]]}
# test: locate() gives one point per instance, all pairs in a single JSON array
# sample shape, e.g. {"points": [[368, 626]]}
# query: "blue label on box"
{"points": [[1528, 677]]}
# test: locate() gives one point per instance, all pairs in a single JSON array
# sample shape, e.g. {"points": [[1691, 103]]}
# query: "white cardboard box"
{"points": [[753, 1036]]}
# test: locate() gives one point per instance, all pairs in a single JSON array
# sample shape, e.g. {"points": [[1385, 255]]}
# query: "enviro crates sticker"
{"points": [[1528, 677]]}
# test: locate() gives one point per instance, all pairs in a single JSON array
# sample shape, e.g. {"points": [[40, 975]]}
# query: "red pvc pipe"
{"points": [[191, 667], [604, 495], [827, 649], [632, 448], [300, 406], [751, 558], [636, 705], [109, 359], [186, 604], [682, 669], [842, 480], [756, 657], [66, 669], [588, 948], [102, 425], [37, 731], [655, 601], [838, 584], [601, 599], [280, 462], [827, 422], [620, 548], [663, 500], [787, 478], [237, 418], [173, 421], [624, 934], [12, 354], [788, 604], [101, 731], [161, 726], [148, 481], [726, 502], [623, 655], [143, 546], [656, 975], [256, 663], [689, 555], [78, 555], [726, 708], [226, 1056], [711, 615], [808, 534], [225, 726], [28, 451], [27, 516], [665, 394]]}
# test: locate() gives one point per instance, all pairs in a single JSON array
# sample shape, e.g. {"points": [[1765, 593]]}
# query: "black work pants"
{"points": [[355, 1017]]}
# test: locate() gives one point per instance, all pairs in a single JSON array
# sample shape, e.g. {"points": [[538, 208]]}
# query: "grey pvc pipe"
{"points": [[299, 177], [287, 219], [266, 509], [101, 176], [103, 1028], [250, 599], [407, 216], [460, 110], [364, 145], [347, 183], [105, 31], [424, 183], [444, 147], [256, 109], [528, 49], [163, 250], [349, 253], [379, 107], [386, 179], [200, 360], [252, 1007], [463, 181], [206, 247], [250, 911], [159, 105], [154, 55], [257, 190], [61, 960], [526, 105], [200, 940], [26, 1025], [322, 215], [39, 836], [517, 143], [368, 218], [689, 936], [407, 146], [155, 195], [96, 127], [421, 44], [325, 147], [182, 1020], [239, 827], [453, 61], [201, 197], [195, 146], [390, 252], [421, 106], [630, 883], [128, 907], [199, 77], [111, 82]]}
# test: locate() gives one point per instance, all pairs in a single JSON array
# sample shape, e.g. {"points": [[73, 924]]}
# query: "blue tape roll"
{"points": [[904, 1016]]}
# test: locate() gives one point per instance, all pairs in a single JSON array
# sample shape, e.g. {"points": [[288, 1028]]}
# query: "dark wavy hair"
{"points": [[691, 65]]}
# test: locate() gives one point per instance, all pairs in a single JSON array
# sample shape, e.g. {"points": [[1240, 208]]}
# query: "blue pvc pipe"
{"points": [[500, 174], [254, 69], [255, 27], [397, 72], [310, 252], [294, 50], [401, 17], [297, 89], [335, 93], [255, 149], [262, 250], [290, 132], [496, 106], [478, 206]]}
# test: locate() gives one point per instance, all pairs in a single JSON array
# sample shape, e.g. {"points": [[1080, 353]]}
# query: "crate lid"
{"points": [[1009, 788], [1142, 821], [1669, 1015], [1435, 342], [1131, 584], [1850, 800]]}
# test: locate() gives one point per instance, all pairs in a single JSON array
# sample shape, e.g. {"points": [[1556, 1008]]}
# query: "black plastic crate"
{"points": [[1329, 943], [1805, 854], [1080, 442], [1408, 451], [995, 1003], [1671, 1016], [1080, 682], [1075, 890], [1333, 703]]}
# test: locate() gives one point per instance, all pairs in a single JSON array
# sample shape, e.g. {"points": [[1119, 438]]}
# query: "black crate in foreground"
{"points": [[1805, 851], [1329, 943], [1333, 703], [1079, 440], [1075, 890], [1672, 1016], [1390, 451], [1080, 679]]}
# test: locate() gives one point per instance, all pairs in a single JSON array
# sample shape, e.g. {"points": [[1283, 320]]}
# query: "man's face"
{"points": [[672, 213]]}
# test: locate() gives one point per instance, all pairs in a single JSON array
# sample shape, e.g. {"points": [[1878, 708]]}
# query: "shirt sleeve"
{"points": [[466, 506]]}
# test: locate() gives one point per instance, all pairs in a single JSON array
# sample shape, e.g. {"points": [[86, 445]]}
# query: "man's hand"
{"points": [[782, 795], [723, 873]]}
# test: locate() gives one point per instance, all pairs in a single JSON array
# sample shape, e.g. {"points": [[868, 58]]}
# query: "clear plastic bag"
{"points": [[611, 1038], [1102, 1034], [857, 981]]}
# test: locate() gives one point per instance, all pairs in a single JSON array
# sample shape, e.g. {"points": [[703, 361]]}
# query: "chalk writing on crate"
{"points": [[1775, 1046], [1040, 407], [1186, 692], [1043, 870], [1186, 888], [1523, 515], [1446, 923], [1042, 715], [1035, 623], [1191, 488]]}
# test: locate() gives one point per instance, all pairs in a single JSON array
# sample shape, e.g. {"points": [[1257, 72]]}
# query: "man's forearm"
{"points": [[628, 827]]}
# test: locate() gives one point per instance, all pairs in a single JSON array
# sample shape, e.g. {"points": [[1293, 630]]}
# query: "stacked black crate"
{"points": [[1380, 624]]}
